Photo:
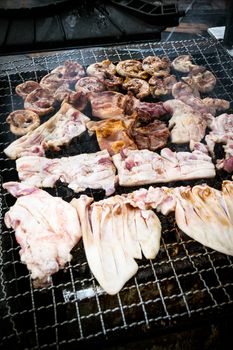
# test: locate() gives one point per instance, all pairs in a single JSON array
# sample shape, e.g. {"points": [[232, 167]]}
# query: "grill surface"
{"points": [[184, 282]]}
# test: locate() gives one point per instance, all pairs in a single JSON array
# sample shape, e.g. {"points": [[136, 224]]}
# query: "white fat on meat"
{"points": [[87, 170], [66, 124], [46, 228], [205, 215], [114, 235], [108, 104], [222, 132], [140, 167], [186, 124]]}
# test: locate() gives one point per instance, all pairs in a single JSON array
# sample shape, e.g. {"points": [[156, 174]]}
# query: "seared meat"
{"points": [[154, 64], [46, 228], [25, 88], [140, 167], [108, 104], [114, 233], [22, 121], [186, 124], [139, 87], [204, 79], [112, 135], [131, 69], [87, 170], [183, 63], [66, 124], [40, 101]]}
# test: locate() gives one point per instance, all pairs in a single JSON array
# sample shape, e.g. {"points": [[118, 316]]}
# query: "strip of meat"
{"points": [[139, 167], [186, 124], [46, 228], [112, 135], [222, 132], [66, 124], [205, 214], [92, 170], [108, 104], [114, 233]]}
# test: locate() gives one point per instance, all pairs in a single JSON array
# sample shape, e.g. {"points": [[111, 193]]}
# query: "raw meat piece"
{"points": [[46, 228], [92, 170], [66, 124], [114, 233], [112, 135], [139, 167], [222, 132], [186, 123]]}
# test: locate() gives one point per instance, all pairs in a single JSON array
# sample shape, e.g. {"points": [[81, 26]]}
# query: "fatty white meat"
{"points": [[59, 130], [46, 228], [114, 234], [140, 167], [87, 170]]}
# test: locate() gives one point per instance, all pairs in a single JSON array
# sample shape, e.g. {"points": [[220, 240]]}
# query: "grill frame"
{"points": [[186, 281]]}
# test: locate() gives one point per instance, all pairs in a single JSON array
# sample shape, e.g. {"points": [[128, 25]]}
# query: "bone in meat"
{"points": [[114, 233], [46, 228], [66, 124], [92, 170], [139, 167]]}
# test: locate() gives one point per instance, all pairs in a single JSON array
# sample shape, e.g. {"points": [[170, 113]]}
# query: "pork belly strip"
{"points": [[140, 167], [66, 124], [88, 170], [114, 234], [46, 228]]}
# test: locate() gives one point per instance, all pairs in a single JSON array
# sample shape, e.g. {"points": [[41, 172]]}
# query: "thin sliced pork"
{"points": [[66, 124], [46, 228], [88, 170], [140, 167]]}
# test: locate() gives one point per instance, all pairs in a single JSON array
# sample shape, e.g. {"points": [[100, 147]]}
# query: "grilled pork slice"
{"points": [[222, 132], [112, 135], [114, 234], [92, 170], [66, 124], [139, 167], [205, 214], [46, 228], [186, 123]]}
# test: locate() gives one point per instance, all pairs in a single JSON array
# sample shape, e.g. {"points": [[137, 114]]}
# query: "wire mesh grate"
{"points": [[185, 281]]}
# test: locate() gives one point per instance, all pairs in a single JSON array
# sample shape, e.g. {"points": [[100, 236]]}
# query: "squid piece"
{"points": [[22, 121]]}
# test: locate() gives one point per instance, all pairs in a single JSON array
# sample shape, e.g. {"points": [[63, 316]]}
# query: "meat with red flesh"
{"points": [[222, 132], [148, 133], [46, 228], [112, 135], [88, 85], [92, 170], [52, 81], [108, 104], [114, 235], [66, 124], [70, 72], [25, 88], [140, 167], [186, 124], [40, 101]]}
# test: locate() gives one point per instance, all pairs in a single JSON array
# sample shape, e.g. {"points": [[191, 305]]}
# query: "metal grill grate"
{"points": [[184, 282]]}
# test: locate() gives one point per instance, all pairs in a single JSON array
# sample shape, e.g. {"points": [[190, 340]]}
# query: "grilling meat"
{"points": [[154, 64], [162, 86], [25, 88], [88, 85], [52, 82], [46, 228], [112, 135], [204, 79], [148, 133], [140, 167], [139, 87], [92, 170], [40, 101], [108, 104], [183, 63], [66, 124], [131, 69], [114, 234], [205, 214], [70, 72], [222, 132], [100, 69], [186, 123], [22, 121]]}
